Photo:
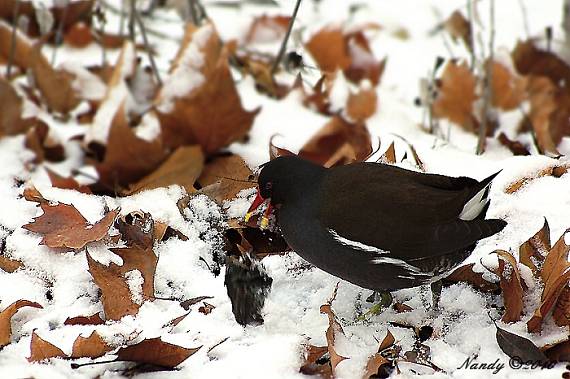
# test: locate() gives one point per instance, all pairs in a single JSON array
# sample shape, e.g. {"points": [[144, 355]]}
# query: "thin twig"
{"points": [[147, 46], [192, 11], [14, 39], [59, 33], [471, 34], [284, 43], [525, 16], [132, 15], [488, 82]]}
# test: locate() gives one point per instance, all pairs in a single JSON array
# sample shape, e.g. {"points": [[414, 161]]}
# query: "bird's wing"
{"points": [[418, 216]]}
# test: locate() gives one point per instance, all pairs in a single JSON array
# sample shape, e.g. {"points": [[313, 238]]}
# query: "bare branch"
{"points": [[147, 47], [285, 39], [487, 82]]}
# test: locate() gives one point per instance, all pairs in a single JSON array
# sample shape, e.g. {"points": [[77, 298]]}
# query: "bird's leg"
{"points": [[436, 293], [383, 300]]}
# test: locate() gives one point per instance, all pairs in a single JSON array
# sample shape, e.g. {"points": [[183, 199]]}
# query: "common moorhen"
{"points": [[378, 226]]}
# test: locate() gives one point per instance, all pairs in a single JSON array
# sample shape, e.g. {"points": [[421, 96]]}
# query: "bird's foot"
{"points": [[384, 300], [436, 288]]}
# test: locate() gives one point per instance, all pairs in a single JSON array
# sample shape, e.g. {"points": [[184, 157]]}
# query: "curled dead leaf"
{"points": [[93, 346], [42, 349], [6, 318], [333, 329], [156, 352], [511, 285]]}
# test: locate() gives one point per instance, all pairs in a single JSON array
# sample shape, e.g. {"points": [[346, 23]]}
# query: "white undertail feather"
{"points": [[475, 205]]}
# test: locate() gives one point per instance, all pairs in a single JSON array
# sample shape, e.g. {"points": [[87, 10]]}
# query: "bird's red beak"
{"points": [[257, 202]]}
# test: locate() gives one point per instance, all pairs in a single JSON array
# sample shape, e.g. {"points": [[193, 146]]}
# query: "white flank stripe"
{"points": [[398, 262], [356, 244]]}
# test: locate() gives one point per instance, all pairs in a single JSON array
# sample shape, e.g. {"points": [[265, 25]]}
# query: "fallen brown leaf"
{"points": [[508, 90], [456, 95], [333, 329], [555, 171], [128, 158], [59, 181], [338, 142], [113, 280], [9, 265], [11, 106], [43, 144], [156, 352], [93, 346], [183, 167], [62, 226], [377, 360], [362, 104], [558, 352], [266, 29], [535, 249], [466, 274], [555, 274], [6, 318], [459, 28], [511, 285], [515, 147], [42, 349], [207, 110], [94, 319], [23, 47], [312, 366], [137, 229], [224, 177], [561, 311], [389, 156], [54, 85]]}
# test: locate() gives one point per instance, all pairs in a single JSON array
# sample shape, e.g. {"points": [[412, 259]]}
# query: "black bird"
{"points": [[378, 226]]}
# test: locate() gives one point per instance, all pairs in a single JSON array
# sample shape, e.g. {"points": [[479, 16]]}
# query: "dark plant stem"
{"points": [[488, 83], [285, 39], [147, 46]]}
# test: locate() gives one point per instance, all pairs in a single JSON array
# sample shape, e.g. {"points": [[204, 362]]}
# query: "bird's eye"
{"points": [[268, 186]]}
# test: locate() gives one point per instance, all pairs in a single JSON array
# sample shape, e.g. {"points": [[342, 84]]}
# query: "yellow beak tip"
{"points": [[264, 223]]}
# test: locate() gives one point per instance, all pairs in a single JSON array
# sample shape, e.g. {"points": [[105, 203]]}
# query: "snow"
{"points": [[187, 74], [135, 282], [61, 283]]}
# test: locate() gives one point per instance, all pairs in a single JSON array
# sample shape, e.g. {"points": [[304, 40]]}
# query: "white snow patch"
{"points": [[135, 282]]}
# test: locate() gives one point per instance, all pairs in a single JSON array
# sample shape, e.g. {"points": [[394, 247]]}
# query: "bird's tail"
{"points": [[477, 205]]}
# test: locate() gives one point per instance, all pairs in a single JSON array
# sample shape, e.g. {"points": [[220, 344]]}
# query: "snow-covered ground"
{"points": [[462, 329]]}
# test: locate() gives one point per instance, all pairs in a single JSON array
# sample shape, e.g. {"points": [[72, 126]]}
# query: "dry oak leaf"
{"points": [[333, 49], [362, 104], [456, 95], [466, 274], [6, 318], [23, 49], [62, 226], [199, 102], [332, 330], [511, 285], [266, 29], [377, 360], [556, 170], [561, 312], [508, 89], [530, 60], [533, 251], [338, 142], [558, 352], [117, 295], [555, 274], [156, 352], [224, 177], [56, 86], [93, 346], [9, 265], [183, 167], [514, 146], [549, 113], [43, 144], [94, 319], [59, 181], [127, 158], [312, 354], [41, 349], [389, 156], [459, 28], [11, 107]]}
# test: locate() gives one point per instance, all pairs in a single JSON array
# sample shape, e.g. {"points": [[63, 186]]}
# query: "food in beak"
{"points": [[257, 202]]}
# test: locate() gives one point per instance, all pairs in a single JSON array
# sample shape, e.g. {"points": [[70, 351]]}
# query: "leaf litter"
{"points": [[154, 144]]}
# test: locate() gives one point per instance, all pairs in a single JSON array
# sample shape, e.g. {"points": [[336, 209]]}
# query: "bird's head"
{"points": [[283, 180]]}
